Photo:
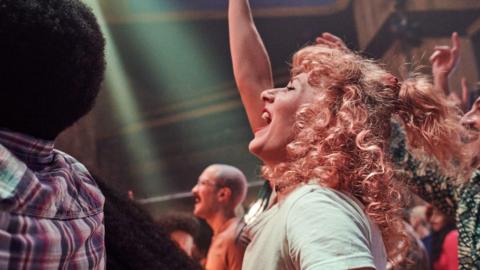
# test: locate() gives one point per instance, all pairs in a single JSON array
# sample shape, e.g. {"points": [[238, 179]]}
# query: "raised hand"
{"points": [[444, 59], [332, 41]]}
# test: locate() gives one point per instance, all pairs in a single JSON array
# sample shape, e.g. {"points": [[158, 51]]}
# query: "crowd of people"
{"points": [[343, 144]]}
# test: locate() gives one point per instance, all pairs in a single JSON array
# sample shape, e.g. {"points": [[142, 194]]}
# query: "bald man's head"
{"points": [[232, 178], [220, 187]]}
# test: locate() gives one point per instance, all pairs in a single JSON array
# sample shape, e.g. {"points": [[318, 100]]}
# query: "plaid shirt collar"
{"points": [[33, 151]]}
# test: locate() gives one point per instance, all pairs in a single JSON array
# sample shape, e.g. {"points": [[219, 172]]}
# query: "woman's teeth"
{"points": [[266, 116]]}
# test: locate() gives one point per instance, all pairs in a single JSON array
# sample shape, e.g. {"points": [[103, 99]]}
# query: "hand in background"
{"points": [[332, 41], [444, 59]]}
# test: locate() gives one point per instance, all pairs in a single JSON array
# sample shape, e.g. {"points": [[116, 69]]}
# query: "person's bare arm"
{"points": [[251, 64], [444, 59], [464, 102]]}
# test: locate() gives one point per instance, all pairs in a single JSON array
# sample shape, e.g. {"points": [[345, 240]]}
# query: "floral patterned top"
{"points": [[461, 201]]}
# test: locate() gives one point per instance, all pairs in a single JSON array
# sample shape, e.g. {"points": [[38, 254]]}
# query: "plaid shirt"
{"points": [[51, 210]]}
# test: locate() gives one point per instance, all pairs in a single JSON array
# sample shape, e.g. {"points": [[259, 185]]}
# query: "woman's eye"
{"points": [[290, 88]]}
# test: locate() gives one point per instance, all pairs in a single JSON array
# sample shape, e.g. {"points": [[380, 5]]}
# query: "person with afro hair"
{"points": [[51, 68]]}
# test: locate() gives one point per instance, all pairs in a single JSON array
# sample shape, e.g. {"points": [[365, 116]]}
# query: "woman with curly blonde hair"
{"points": [[323, 141]]}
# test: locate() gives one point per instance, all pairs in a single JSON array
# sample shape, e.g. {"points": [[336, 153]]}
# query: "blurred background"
{"points": [[169, 106]]}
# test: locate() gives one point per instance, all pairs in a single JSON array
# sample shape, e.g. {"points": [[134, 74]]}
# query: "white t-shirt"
{"points": [[314, 228]]}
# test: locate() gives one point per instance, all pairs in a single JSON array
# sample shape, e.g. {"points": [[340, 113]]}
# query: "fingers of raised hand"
{"points": [[440, 55], [331, 41], [455, 41], [321, 40], [442, 48], [332, 38], [434, 56]]}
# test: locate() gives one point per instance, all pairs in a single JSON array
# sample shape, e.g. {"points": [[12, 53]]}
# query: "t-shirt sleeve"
{"points": [[326, 234]]}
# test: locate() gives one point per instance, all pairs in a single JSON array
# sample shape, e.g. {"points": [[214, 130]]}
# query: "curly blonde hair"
{"points": [[341, 136]]}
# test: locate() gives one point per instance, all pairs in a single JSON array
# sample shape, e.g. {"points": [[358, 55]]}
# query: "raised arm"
{"points": [[444, 59], [251, 65], [426, 180]]}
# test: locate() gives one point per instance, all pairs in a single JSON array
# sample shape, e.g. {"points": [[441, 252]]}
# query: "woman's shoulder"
{"points": [[319, 215], [313, 194], [313, 201]]}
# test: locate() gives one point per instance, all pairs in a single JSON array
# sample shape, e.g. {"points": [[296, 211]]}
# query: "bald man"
{"points": [[219, 191]]}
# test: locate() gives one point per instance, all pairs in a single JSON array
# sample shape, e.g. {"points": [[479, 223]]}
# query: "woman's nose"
{"points": [[268, 95]]}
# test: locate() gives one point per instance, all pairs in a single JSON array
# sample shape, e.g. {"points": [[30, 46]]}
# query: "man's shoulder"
{"points": [[314, 197], [65, 187], [335, 210], [69, 160], [231, 236]]}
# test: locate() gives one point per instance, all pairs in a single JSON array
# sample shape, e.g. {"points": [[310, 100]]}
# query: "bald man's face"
{"points": [[205, 194]]}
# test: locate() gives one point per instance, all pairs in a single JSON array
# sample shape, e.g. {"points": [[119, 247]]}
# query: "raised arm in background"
{"points": [[444, 59], [251, 64], [428, 182]]}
